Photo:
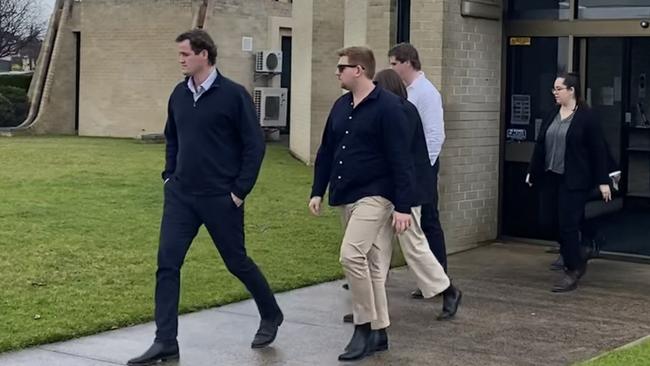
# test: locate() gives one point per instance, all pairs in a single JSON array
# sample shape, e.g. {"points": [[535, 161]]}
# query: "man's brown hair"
{"points": [[361, 56], [200, 40], [406, 52]]}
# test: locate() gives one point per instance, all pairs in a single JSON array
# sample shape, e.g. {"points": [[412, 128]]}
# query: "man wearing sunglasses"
{"points": [[364, 158]]}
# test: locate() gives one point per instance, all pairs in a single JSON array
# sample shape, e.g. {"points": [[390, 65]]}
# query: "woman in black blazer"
{"points": [[569, 160]]}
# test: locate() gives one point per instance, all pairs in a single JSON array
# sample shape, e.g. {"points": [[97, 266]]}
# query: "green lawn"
{"points": [[638, 355], [79, 221]]}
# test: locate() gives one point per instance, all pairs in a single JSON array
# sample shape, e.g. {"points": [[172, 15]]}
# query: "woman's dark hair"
{"points": [[572, 80], [390, 80], [200, 40]]}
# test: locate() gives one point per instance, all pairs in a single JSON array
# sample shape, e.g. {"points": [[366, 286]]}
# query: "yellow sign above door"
{"points": [[520, 41]]}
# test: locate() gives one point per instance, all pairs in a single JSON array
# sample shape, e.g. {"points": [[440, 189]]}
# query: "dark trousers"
{"points": [[431, 223], [562, 213], [183, 214]]}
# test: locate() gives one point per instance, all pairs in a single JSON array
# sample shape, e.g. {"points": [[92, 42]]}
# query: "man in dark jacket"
{"points": [[213, 156], [364, 159]]}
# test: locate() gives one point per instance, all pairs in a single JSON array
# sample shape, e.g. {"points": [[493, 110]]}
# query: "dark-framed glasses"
{"points": [[341, 67]]}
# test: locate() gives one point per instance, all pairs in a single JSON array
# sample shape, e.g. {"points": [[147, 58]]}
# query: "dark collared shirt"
{"points": [[365, 152]]}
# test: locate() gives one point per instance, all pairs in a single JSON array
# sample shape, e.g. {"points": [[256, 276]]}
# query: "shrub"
{"points": [[18, 98], [18, 80], [7, 114]]}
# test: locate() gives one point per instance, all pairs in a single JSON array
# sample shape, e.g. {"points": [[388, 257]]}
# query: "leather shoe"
{"points": [[156, 353], [360, 345], [568, 282], [450, 302], [267, 331], [379, 339], [558, 264], [417, 294], [348, 318]]}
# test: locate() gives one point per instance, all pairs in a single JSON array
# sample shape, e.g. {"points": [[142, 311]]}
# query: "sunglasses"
{"points": [[341, 67]]}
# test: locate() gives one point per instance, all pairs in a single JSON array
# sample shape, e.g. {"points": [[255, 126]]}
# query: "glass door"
{"points": [[532, 65], [616, 71]]}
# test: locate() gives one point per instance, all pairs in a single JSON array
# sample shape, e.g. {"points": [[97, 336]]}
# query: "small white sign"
{"points": [[520, 109], [247, 44]]}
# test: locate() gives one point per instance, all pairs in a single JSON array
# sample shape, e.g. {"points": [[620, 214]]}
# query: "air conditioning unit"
{"points": [[269, 61], [271, 106]]}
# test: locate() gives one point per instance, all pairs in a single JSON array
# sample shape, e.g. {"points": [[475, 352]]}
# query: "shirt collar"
{"points": [[417, 80], [374, 94], [206, 84]]}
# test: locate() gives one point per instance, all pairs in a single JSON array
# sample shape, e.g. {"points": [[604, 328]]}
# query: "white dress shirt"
{"points": [[428, 102]]}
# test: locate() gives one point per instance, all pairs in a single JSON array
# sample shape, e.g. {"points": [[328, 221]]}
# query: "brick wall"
{"points": [[129, 64], [230, 20], [462, 57]]}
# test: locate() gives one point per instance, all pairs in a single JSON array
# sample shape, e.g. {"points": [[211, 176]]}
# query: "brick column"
{"points": [[462, 57]]}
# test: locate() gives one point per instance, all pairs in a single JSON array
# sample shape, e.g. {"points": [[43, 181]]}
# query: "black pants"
{"points": [[431, 223], [562, 213], [183, 214]]}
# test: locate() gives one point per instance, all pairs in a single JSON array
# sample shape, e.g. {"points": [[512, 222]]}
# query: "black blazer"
{"points": [[424, 179], [586, 160]]}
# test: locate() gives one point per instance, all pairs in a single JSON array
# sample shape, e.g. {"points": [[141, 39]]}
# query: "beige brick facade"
{"points": [[470, 77], [128, 66]]}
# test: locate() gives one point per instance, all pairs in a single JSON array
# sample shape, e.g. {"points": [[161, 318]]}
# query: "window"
{"points": [[403, 20], [538, 9], [613, 9]]}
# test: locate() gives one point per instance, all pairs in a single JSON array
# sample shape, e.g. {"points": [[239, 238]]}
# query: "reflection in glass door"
{"points": [[616, 72], [533, 63]]}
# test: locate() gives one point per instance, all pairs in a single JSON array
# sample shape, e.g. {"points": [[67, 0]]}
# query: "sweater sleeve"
{"points": [[171, 143], [253, 149]]}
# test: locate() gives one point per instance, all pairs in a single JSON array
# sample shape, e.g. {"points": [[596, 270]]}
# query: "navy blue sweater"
{"points": [[365, 152], [215, 145]]}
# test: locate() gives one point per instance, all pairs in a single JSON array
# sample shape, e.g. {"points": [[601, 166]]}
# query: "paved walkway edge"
{"points": [[621, 348]]}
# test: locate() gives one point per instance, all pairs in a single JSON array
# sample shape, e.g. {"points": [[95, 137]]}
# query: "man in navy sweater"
{"points": [[365, 159], [214, 152]]}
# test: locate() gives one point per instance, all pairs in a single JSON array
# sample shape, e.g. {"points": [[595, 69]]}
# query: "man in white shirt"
{"points": [[404, 59]]}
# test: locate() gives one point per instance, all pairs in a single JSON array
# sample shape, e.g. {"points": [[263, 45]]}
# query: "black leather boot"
{"points": [[450, 302], [379, 340], [360, 345], [267, 331], [348, 318], [158, 352], [568, 282]]}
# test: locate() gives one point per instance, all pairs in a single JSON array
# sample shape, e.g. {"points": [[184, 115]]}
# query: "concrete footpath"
{"points": [[508, 317]]}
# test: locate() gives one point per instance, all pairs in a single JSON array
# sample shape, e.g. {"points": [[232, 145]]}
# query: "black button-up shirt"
{"points": [[365, 152]]}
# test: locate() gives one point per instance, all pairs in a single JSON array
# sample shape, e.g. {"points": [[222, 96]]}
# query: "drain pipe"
{"points": [[201, 15]]}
